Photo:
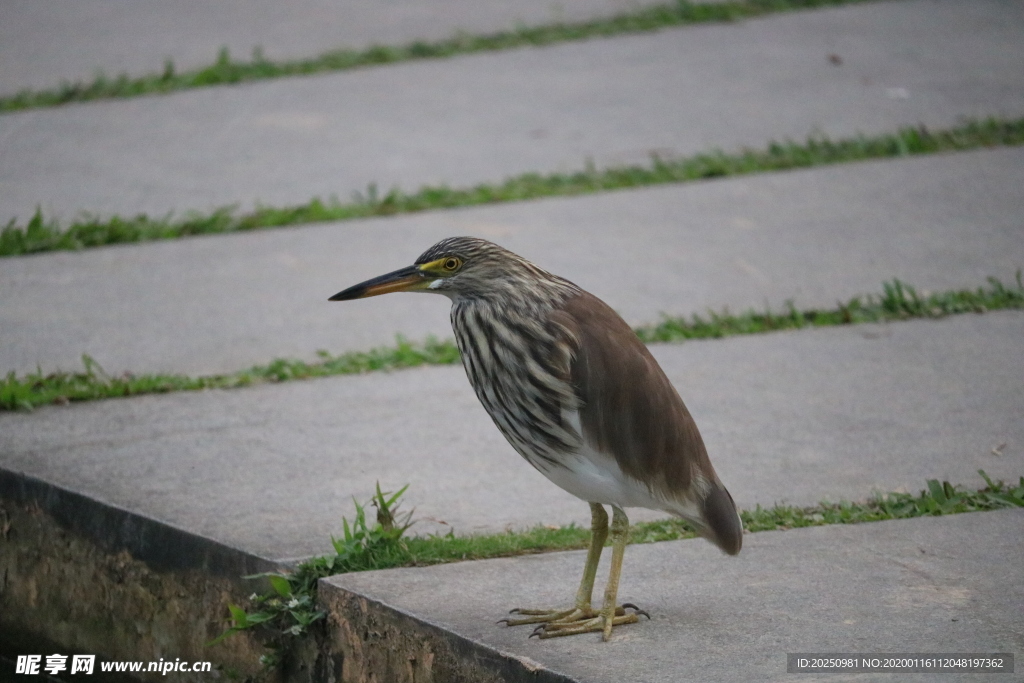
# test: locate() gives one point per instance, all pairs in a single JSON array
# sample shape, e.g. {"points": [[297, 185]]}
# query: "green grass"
{"points": [[224, 70], [290, 607], [42, 234], [28, 391], [898, 301]]}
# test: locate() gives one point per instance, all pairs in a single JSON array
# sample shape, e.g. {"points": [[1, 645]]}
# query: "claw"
{"points": [[537, 631], [636, 610]]}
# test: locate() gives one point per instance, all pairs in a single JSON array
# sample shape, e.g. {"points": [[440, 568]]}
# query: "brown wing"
{"points": [[631, 410]]}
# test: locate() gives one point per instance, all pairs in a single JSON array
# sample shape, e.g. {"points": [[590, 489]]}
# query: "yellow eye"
{"points": [[451, 264]]}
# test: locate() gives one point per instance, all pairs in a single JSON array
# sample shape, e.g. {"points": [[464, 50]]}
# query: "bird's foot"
{"points": [[570, 622], [542, 616]]}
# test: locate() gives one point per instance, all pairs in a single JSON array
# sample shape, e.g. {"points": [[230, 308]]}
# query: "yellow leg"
{"points": [[598, 535], [620, 534], [583, 618], [583, 610]]}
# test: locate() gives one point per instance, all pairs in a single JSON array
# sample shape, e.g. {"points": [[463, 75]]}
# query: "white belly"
{"points": [[595, 477]]}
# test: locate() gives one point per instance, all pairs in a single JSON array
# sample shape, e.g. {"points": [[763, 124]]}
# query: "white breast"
{"points": [[595, 477]]}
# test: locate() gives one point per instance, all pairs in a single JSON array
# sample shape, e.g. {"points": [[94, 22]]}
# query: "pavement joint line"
{"points": [[42, 234], [899, 301], [225, 71]]}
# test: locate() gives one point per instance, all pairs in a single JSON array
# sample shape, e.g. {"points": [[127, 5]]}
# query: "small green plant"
{"points": [[43, 234], [289, 609]]}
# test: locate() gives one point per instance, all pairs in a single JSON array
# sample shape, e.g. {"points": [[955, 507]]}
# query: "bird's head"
{"points": [[459, 267]]}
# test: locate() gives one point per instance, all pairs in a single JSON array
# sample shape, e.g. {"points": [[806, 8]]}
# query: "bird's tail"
{"points": [[722, 523]]}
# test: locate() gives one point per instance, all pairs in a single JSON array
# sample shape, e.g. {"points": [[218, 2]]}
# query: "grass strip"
{"points": [[24, 393], [225, 71], [43, 234], [898, 301], [290, 607]]}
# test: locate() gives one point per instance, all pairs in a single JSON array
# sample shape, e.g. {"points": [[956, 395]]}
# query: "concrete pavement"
{"points": [[950, 584], [796, 416], [481, 118], [44, 43], [141, 513], [220, 304]]}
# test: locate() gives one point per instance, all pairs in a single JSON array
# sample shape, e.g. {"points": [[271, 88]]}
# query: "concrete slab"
{"points": [[43, 43], [799, 416], [221, 304], [484, 117], [949, 584]]}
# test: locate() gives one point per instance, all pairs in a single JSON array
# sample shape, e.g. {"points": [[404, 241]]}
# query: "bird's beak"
{"points": [[409, 279]]}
